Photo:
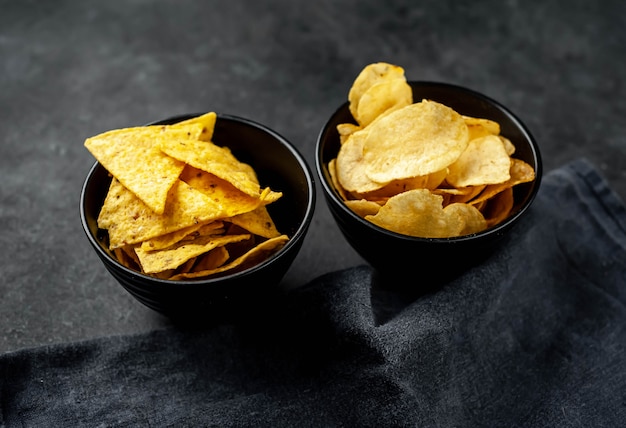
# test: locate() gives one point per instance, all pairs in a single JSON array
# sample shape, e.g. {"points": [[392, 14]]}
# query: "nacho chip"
{"points": [[251, 257], [132, 156], [258, 222], [129, 221], [207, 121], [214, 159], [173, 257]]}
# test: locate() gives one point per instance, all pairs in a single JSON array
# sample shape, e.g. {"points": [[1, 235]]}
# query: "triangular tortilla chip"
{"points": [[217, 160], [130, 221], [132, 156]]}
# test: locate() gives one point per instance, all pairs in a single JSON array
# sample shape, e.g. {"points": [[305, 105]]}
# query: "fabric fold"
{"points": [[534, 336]]}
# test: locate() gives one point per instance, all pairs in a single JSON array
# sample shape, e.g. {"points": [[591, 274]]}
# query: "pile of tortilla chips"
{"points": [[180, 206], [421, 168]]}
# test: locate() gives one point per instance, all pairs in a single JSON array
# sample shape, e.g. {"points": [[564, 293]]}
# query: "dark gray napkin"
{"points": [[535, 336]]}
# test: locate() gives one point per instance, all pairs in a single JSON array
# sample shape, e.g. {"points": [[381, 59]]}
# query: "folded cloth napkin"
{"points": [[533, 337]]}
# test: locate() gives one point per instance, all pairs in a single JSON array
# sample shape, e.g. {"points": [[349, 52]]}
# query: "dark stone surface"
{"points": [[72, 69]]}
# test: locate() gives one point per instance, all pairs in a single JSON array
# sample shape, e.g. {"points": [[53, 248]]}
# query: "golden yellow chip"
{"points": [[252, 256], [363, 207], [484, 161], [345, 130], [133, 157], [202, 188], [520, 172], [415, 140], [169, 239], [332, 170], [207, 121], [383, 97], [350, 166], [217, 160], [212, 260], [480, 127], [369, 76], [129, 221], [498, 207], [258, 222], [173, 257], [421, 213]]}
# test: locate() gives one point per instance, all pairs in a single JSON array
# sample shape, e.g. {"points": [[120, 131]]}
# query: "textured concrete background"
{"points": [[72, 69]]}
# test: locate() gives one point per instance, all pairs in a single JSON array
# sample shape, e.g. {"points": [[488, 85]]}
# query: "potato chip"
{"points": [[345, 130], [421, 213], [498, 207], [363, 207], [520, 172], [383, 97], [422, 169], [368, 77], [418, 139], [351, 172], [481, 127], [484, 161]]}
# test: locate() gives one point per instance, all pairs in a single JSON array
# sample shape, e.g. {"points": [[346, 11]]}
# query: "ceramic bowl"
{"points": [[278, 166], [393, 253]]}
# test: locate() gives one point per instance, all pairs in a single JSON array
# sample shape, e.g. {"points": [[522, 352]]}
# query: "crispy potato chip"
{"points": [[420, 213], [173, 257], [368, 77], [484, 161], [508, 145], [498, 207], [480, 127], [133, 157], [520, 172], [383, 97], [350, 166], [332, 170], [472, 219], [363, 207], [418, 139], [345, 130]]}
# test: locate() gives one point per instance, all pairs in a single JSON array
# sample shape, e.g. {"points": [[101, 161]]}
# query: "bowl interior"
{"points": [[464, 101], [277, 164]]}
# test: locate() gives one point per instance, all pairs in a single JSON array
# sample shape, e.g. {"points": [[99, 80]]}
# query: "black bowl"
{"points": [[279, 166], [435, 258]]}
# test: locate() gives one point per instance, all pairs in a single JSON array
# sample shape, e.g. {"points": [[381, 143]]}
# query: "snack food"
{"points": [[180, 206], [419, 167]]}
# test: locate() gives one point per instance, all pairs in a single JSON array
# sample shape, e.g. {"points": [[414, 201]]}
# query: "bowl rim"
{"points": [[499, 228], [274, 258]]}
